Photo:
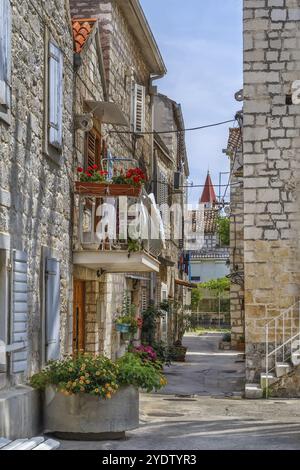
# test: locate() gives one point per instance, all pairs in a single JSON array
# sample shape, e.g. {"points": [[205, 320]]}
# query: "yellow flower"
{"points": [[82, 377], [87, 375], [97, 390], [98, 373], [88, 381], [108, 395], [82, 389], [74, 384], [83, 366]]}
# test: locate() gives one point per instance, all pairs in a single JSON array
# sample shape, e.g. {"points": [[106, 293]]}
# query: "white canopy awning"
{"points": [[108, 113]]}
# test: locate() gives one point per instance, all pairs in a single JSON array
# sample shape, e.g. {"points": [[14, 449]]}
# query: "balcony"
{"points": [[114, 233]]}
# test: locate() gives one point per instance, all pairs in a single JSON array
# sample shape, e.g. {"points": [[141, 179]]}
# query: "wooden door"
{"points": [[79, 317]]}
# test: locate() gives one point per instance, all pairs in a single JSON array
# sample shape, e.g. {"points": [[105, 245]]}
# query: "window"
{"points": [[55, 96], [138, 108], [5, 57]]}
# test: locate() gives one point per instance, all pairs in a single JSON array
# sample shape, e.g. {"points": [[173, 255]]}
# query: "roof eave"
{"points": [[136, 18]]}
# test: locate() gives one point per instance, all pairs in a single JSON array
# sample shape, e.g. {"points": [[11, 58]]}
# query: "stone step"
{"points": [[35, 443], [50, 444], [253, 391], [295, 358], [4, 442], [31, 443], [282, 368], [271, 379], [14, 444]]}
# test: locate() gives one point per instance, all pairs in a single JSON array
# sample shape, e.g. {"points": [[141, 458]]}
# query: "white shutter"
{"points": [[19, 314], [139, 108], [52, 309], [145, 298], [5, 53], [163, 196], [55, 95]]}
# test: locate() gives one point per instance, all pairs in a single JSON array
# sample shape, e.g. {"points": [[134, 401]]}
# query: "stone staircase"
{"points": [[35, 443], [282, 352]]}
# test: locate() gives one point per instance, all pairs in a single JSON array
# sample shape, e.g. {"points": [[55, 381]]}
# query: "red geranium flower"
{"points": [[136, 179], [103, 173], [79, 169], [95, 167], [88, 174]]}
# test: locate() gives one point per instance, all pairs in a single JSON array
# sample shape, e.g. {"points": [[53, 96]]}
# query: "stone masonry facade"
{"points": [[124, 64], [30, 217], [35, 194], [271, 168], [237, 275]]}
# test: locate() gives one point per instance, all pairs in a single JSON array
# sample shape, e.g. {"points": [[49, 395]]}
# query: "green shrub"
{"points": [[98, 375], [133, 371], [94, 375]]}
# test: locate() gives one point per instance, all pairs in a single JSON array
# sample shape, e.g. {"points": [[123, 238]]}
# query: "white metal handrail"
{"points": [[286, 330]]}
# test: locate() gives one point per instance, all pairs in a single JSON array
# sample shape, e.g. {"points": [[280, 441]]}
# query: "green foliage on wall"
{"points": [[223, 226]]}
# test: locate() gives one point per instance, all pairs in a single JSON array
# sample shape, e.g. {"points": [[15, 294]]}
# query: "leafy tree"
{"points": [[219, 286], [223, 226], [197, 296]]}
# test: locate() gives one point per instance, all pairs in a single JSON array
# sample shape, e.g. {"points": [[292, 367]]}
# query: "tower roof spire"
{"points": [[208, 197]]}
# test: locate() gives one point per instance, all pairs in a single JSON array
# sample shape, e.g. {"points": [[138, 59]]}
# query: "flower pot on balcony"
{"points": [[122, 327], [107, 189], [86, 417]]}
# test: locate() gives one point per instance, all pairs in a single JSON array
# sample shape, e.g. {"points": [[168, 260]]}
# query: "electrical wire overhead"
{"points": [[174, 131]]}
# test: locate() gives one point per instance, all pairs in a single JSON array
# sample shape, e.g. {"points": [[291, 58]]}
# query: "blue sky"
{"points": [[201, 43]]}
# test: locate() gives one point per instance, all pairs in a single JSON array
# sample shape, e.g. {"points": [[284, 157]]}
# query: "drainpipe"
{"points": [[101, 64]]}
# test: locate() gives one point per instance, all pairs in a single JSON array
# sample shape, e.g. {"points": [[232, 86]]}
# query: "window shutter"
{"points": [[144, 298], [52, 309], [19, 314], [139, 108], [93, 148], [5, 53], [55, 95]]}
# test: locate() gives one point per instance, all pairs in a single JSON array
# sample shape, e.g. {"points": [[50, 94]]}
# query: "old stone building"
{"points": [[271, 185], [235, 153], [36, 183], [127, 63], [209, 260], [171, 171]]}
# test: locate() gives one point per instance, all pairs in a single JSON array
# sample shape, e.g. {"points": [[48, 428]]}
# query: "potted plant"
{"points": [[178, 350], [92, 397], [127, 324], [241, 345], [94, 181]]}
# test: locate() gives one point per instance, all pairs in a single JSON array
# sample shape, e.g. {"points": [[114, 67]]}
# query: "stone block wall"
{"points": [[237, 254], [123, 59], [35, 192], [271, 168]]}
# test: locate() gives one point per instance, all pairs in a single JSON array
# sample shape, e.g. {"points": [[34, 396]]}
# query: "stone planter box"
{"points": [[85, 417], [105, 189]]}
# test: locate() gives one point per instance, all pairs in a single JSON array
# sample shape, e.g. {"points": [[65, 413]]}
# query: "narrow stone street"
{"points": [[201, 408]]}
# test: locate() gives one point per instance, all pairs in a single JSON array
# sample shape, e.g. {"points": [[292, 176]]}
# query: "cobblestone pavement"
{"points": [[201, 408]]}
